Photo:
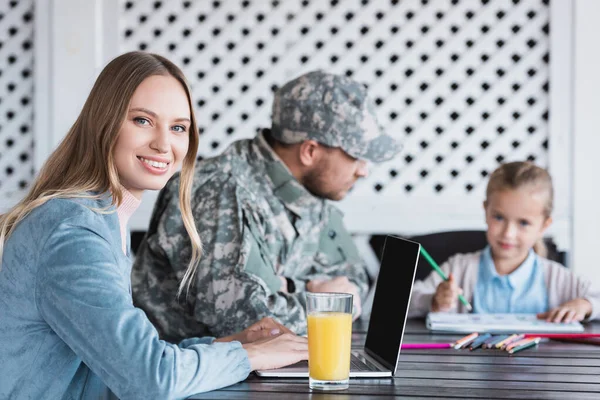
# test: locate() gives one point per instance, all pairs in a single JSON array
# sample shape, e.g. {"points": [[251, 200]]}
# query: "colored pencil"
{"points": [[494, 340], [507, 339], [426, 346], [489, 340], [532, 342], [564, 335], [511, 339], [479, 341], [465, 341], [517, 343], [441, 273]]}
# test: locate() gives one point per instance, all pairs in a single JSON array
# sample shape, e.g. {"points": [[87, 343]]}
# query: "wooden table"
{"points": [[553, 370]]}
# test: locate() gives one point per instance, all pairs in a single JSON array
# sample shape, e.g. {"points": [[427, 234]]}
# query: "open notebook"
{"points": [[496, 323]]}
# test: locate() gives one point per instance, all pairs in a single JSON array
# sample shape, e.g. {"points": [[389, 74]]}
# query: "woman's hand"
{"points": [[277, 352], [574, 310], [264, 328]]}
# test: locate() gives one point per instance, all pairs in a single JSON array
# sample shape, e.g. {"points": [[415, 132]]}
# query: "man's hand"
{"points": [[574, 310], [339, 284], [264, 328]]}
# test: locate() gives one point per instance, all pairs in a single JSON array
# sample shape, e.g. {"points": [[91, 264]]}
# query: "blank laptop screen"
{"points": [[392, 297]]}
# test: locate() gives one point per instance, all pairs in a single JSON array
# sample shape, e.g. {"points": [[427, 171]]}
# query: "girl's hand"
{"points": [[446, 296], [574, 310]]}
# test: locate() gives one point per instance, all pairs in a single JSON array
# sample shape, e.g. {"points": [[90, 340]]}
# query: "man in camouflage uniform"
{"points": [[260, 208]]}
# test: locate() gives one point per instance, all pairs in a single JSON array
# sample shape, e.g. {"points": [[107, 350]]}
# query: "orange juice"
{"points": [[329, 340]]}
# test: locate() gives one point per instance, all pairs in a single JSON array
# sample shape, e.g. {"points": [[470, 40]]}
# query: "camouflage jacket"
{"points": [[256, 222]]}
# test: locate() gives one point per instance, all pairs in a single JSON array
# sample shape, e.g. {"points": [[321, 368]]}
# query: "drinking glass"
{"points": [[329, 340]]}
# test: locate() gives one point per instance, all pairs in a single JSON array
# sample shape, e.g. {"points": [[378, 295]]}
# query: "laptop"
{"points": [[380, 354]]}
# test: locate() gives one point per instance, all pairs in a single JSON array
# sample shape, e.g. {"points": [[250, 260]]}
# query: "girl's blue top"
{"points": [[523, 291]]}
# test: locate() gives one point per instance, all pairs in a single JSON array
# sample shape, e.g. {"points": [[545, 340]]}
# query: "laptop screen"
{"points": [[391, 300]]}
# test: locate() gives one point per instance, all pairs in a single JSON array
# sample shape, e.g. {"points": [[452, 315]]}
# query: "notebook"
{"points": [[379, 356], [496, 323]]}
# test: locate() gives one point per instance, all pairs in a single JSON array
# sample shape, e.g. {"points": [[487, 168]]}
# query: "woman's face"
{"points": [[154, 138]]}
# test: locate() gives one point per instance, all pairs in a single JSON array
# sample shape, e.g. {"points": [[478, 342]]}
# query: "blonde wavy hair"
{"points": [[83, 163], [518, 174]]}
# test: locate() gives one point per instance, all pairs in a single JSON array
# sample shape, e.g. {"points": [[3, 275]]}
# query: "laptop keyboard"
{"points": [[360, 364]]}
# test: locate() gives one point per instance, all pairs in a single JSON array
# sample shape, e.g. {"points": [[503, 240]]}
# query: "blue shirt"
{"points": [[68, 327], [522, 291]]}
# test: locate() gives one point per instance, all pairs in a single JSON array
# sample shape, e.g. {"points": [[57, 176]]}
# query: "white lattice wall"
{"points": [[16, 96], [463, 83]]}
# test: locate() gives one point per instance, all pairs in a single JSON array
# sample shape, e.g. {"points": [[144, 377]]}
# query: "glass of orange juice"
{"points": [[329, 339]]}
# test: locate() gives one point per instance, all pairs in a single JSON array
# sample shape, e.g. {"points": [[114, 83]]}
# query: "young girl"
{"points": [[511, 275], [68, 326]]}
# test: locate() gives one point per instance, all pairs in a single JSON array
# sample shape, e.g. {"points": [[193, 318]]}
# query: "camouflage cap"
{"points": [[332, 110]]}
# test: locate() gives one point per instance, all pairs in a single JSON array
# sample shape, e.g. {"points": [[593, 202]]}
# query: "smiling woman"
{"points": [[90, 162], [67, 313]]}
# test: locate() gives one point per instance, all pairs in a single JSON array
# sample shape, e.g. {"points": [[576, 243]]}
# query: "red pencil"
{"points": [[563, 335]]}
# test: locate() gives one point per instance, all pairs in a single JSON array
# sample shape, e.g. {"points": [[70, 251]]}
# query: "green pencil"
{"points": [[527, 345], [441, 273]]}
